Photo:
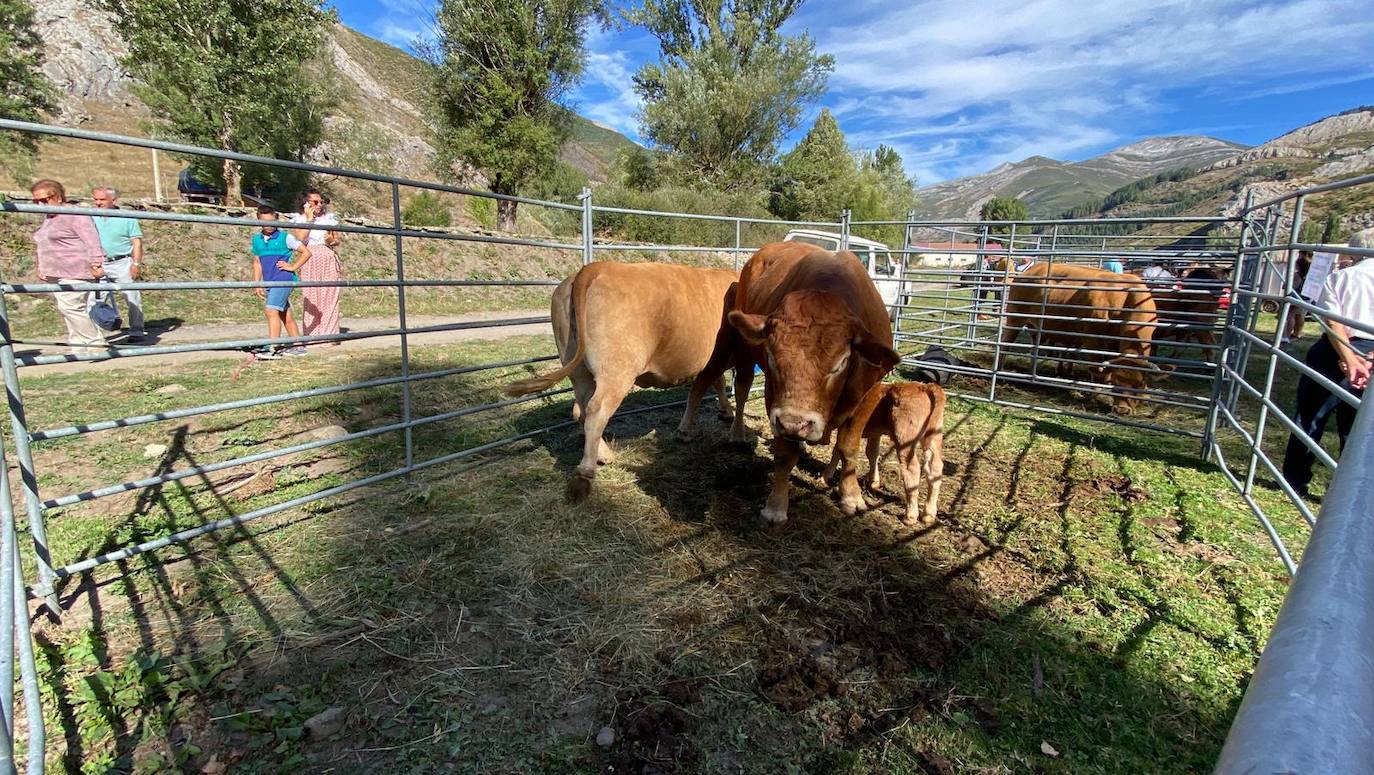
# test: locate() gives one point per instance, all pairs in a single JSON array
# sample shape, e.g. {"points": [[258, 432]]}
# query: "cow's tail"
{"points": [[550, 378]]}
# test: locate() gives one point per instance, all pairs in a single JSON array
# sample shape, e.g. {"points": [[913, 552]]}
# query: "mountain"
{"points": [[1332, 148], [1049, 187], [378, 124]]}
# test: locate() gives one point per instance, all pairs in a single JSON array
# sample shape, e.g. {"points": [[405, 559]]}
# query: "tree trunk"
{"points": [[233, 183], [505, 214]]}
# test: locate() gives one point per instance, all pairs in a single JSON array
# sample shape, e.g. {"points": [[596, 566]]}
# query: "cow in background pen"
{"points": [[1092, 315]]}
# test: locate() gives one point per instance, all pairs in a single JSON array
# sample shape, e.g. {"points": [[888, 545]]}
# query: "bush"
{"points": [[681, 231], [482, 210], [425, 209]]}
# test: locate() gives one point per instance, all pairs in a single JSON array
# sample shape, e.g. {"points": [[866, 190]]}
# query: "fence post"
{"points": [[1228, 336], [401, 314], [1274, 345], [902, 276], [844, 229], [7, 620], [737, 244], [1001, 310], [586, 198], [20, 427], [1309, 703]]}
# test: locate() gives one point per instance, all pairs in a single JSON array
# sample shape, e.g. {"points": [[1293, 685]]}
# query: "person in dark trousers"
{"points": [[1343, 356]]}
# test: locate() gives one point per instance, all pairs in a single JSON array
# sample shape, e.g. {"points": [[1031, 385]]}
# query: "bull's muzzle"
{"points": [[797, 425]]}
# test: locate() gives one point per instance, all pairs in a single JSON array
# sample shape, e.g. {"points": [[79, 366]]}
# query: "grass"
{"points": [[1089, 590]]}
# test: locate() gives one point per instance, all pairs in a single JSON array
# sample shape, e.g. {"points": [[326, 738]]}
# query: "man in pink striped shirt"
{"points": [[69, 251]]}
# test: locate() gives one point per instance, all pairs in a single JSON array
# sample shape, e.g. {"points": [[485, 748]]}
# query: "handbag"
{"points": [[104, 313]]}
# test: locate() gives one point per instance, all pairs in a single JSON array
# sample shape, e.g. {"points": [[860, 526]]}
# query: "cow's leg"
{"points": [[875, 477], [603, 403], [847, 449], [584, 386], [711, 374], [727, 411], [910, 457], [786, 453], [744, 381], [934, 445]]}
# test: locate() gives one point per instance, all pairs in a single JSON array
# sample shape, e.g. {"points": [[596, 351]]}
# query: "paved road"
{"points": [[232, 332]]}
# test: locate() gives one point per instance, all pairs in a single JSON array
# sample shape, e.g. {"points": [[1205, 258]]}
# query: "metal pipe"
{"points": [[1310, 701], [588, 248], [1256, 509], [318, 169], [7, 619], [401, 318], [243, 344], [220, 285], [20, 429]]}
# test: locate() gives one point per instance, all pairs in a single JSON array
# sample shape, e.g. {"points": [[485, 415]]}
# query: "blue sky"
{"points": [[960, 86]]}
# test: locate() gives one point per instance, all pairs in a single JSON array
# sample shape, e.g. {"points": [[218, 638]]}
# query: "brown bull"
{"points": [[1087, 309], [622, 325], [815, 323]]}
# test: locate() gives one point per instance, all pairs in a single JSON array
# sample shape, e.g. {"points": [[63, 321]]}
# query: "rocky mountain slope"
{"points": [[1333, 148], [1048, 187], [378, 124]]}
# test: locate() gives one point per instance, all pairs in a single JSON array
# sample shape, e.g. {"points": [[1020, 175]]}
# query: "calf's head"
{"points": [[814, 348]]}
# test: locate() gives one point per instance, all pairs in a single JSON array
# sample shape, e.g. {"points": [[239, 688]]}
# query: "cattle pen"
{"points": [[1307, 707]]}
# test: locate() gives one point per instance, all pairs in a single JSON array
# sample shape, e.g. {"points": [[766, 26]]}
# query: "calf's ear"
{"points": [[754, 328], [876, 352]]}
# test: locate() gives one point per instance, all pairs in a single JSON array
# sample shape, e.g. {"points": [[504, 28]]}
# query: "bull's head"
{"points": [[815, 350], [1131, 376]]}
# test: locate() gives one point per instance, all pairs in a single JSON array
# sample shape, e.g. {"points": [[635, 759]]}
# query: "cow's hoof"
{"points": [[773, 516], [688, 432], [852, 506], [605, 456], [579, 487], [739, 437]]}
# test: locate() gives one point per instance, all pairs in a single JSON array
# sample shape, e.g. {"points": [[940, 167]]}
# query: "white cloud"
{"points": [[996, 80], [607, 92]]}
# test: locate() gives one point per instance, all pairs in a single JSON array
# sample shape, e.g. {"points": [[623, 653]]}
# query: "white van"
{"points": [[877, 258]]}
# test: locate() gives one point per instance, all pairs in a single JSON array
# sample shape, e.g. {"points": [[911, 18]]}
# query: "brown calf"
{"points": [[912, 414]]}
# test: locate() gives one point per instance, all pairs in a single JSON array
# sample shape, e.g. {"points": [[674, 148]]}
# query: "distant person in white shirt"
{"points": [[1342, 356], [1156, 276], [321, 303]]}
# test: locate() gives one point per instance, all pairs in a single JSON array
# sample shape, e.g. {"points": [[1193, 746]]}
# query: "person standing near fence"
{"points": [[321, 303], [68, 251], [122, 241], [1342, 356]]}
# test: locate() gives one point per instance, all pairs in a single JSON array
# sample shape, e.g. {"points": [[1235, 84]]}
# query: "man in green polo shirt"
{"points": [[122, 240]]}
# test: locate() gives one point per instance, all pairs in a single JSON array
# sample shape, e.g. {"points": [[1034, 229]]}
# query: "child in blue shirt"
{"points": [[272, 251]]}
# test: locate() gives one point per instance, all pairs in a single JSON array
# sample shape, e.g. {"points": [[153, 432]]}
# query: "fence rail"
{"points": [[1005, 333]]}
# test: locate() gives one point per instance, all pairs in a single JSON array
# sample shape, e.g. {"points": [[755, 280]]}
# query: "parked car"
{"points": [[884, 268], [193, 189]]}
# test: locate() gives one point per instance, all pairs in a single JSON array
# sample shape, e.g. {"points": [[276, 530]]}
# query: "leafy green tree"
{"points": [[229, 74], [500, 68], [639, 170], [25, 93], [819, 177], [728, 85], [1331, 229], [1003, 208]]}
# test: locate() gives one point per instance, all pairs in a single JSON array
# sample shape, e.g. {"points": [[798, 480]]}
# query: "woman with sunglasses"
{"points": [[69, 251], [321, 303]]}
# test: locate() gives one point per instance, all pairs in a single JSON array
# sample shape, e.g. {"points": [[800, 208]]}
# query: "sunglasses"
{"points": [[48, 198]]}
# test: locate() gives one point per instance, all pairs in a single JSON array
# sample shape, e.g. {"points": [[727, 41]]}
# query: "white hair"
{"points": [[1362, 239], [110, 191]]}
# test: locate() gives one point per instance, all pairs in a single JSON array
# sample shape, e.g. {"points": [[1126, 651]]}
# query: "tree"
{"points": [[25, 93], [1003, 208], [821, 176], [728, 85], [639, 170], [229, 74], [818, 178], [500, 68], [1331, 230]]}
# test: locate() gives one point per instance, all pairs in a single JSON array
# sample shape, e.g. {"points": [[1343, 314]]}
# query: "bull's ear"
{"points": [[876, 352], [754, 328]]}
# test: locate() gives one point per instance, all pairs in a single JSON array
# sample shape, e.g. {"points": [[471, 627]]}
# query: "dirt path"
{"points": [[237, 331]]}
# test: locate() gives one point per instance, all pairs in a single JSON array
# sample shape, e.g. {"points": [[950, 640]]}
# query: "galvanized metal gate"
{"points": [[944, 301]]}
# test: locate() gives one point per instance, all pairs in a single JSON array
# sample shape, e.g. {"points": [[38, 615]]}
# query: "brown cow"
{"points": [[1189, 311], [913, 415], [620, 325], [815, 323], [1107, 312]]}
